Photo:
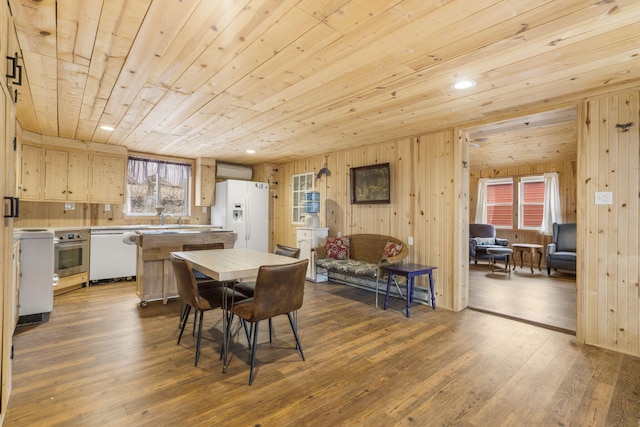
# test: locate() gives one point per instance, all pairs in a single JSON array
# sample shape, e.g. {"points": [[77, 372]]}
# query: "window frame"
{"points": [[158, 190], [501, 181], [298, 212], [521, 202]]}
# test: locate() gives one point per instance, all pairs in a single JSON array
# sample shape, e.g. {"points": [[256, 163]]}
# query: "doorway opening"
{"points": [[519, 148]]}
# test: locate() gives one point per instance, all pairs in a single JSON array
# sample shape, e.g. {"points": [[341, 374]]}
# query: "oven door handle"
{"points": [[70, 245]]}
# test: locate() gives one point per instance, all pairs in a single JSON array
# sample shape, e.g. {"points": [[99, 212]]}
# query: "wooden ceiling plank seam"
{"points": [[211, 19], [44, 90], [71, 83], [145, 102], [246, 28], [185, 111], [77, 26], [258, 51], [117, 29], [510, 29], [160, 25], [354, 14]]}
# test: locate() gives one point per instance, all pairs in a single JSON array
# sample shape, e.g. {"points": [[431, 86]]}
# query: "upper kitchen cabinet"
{"points": [[66, 176], [32, 173], [107, 178], [205, 181]]}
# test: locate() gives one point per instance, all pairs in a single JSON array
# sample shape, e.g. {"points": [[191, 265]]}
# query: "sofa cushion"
{"points": [[338, 247], [391, 249], [349, 266]]}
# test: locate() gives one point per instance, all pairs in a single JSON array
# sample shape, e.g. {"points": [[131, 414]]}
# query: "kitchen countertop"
{"points": [[151, 226]]}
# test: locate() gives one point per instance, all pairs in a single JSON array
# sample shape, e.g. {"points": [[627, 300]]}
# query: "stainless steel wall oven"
{"points": [[71, 254]]}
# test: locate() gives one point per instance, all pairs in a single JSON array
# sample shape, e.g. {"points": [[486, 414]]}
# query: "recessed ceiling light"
{"points": [[251, 151], [463, 84], [107, 127]]}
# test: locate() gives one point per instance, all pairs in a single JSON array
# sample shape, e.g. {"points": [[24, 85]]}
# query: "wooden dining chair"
{"points": [[200, 300], [279, 289]]}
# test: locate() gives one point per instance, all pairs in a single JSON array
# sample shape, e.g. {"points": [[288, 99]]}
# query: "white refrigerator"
{"points": [[243, 207]]}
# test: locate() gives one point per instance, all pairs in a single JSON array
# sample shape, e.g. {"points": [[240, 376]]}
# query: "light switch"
{"points": [[604, 198], [204, 209], [410, 241], [107, 207]]}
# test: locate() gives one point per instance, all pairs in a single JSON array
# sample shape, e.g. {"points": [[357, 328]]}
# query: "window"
{"points": [[155, 183], [500, 202], [531, 202], [498, 198], [300, 184]]}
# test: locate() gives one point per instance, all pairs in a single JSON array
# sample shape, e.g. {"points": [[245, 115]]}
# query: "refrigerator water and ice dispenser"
{"points": [[238, 212]]}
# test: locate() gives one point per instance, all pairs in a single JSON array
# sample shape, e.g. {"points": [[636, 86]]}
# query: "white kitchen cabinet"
{"points": [[308, 238]]}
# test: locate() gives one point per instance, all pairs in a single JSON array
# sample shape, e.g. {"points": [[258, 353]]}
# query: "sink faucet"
{"points": [[163, 216]]}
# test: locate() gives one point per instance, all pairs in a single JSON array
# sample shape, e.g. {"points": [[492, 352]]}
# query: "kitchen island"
{"points": [[155, 277]]}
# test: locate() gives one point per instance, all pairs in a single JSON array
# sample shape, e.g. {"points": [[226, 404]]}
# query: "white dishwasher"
{"points": [[109, 256]]}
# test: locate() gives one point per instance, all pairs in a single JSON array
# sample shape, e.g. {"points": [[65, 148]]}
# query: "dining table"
{"points": [[228, 266]]}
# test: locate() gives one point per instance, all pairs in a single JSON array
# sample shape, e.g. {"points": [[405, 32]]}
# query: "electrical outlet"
{"points": [[339, 233], [69, 206], [107, 207], [204, 209], [410, 241]]}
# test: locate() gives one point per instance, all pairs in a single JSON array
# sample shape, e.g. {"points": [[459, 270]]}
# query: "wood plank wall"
{"points": [[609, 235], [424, 194], [567, 175]]}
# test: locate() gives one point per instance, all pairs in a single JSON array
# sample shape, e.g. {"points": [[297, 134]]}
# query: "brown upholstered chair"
{"points": [[247, 288], [202, 247], [279, 289], [287, 251], [200, 299]]}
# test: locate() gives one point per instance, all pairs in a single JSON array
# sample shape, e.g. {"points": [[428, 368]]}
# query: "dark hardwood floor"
{"points": [[537, 298], [102, 360]]}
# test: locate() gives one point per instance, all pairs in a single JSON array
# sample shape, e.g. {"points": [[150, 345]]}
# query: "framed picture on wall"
{"points": [[371, 184]]}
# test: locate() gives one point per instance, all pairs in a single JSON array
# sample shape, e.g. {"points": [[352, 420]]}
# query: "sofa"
{"points": [[359, 262], [481, 237], [561, 252]]}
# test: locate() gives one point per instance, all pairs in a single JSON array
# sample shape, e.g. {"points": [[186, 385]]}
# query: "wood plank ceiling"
{"points": [[297, 78]]}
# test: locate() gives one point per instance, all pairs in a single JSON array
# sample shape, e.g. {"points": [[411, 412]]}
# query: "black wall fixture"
{"points": [[13, 205], [15, 70]]}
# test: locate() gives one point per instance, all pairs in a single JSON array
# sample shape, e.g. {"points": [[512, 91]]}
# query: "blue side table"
{"points": [[410, 272]]}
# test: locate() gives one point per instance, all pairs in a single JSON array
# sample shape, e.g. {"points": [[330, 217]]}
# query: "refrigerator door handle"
{"points": [[247, 220]]}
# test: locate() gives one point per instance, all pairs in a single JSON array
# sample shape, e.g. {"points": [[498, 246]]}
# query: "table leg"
{"points": [[409, 294], [531, 259], [433, 295], [539, 258], [386, 298], [225, 328]]}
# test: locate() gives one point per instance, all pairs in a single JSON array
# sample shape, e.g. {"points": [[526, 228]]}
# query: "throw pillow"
{"points": [[391, 249], [338, 247], [485, 241]]}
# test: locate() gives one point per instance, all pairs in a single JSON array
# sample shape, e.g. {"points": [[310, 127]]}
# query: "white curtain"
{"points": [[481, 205], [173, 173], [551, 211]]}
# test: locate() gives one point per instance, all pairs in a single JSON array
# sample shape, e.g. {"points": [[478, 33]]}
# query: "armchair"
{"points": [[481, 237], [561, 253]]}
